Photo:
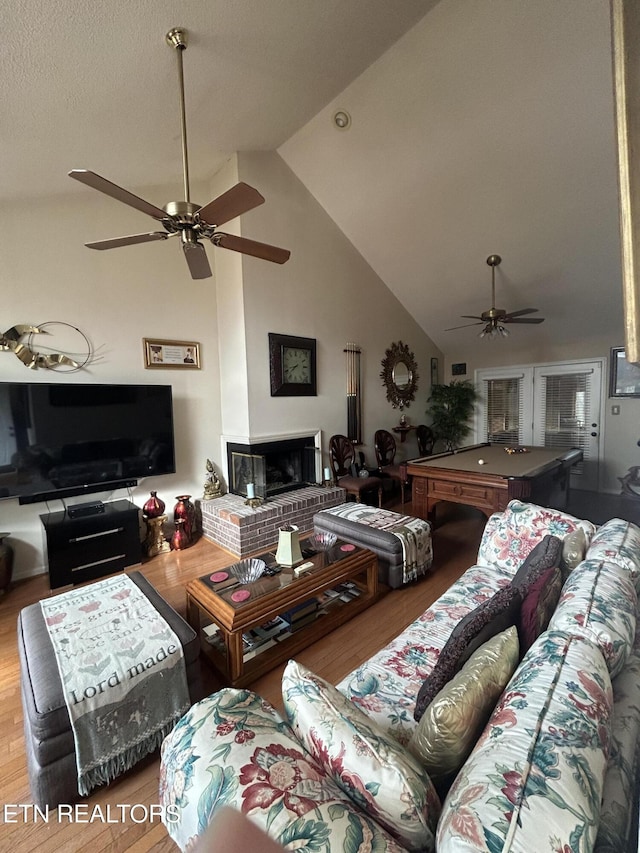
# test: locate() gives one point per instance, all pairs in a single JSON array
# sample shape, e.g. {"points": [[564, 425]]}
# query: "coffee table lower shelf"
{"points": [[230, 661]]}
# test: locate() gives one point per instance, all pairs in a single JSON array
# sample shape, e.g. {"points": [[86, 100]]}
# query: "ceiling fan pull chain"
{"points": [[178, 38]]}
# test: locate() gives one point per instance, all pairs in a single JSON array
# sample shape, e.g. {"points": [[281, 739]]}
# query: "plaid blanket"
{"points": [[413, 533], [122, 672]]}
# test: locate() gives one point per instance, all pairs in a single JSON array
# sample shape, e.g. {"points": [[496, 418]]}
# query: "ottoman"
{"points": [[49, 744], [402, 543]]}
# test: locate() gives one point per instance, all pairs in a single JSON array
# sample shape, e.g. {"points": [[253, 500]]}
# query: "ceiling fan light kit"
{"points": [[191, 221], [494, 319]]}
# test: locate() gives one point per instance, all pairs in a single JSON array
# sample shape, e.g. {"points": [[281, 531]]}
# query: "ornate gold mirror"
{"points": [[399, 375]]}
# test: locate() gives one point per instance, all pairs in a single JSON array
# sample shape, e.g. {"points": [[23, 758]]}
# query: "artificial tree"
{"points": [[450, 407]]}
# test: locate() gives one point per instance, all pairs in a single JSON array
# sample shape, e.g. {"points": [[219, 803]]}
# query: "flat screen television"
{"points": [[60, 440]]}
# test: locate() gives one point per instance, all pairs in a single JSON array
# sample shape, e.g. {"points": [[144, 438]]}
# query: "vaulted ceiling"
{"points": [[478, 126]]}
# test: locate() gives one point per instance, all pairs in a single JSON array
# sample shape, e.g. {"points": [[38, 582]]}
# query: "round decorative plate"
{"points": [[240, 595], [347, 547], [217, 577]]}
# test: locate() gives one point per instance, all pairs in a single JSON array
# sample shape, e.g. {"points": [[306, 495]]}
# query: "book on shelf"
{"points": [[331, 593], [300, 610], [348, 589], [248, 654], [271, 628], [304, 620]]}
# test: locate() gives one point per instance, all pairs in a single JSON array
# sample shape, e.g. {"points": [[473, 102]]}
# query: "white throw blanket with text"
{"points": [[122, 671]]}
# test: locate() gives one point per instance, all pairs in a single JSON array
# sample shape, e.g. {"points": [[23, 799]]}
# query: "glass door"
{"points": [[567, 414], [552, 405]]}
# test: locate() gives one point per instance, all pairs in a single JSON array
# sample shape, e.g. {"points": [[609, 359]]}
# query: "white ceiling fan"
{"points": [[185, 218], [495, 318]]}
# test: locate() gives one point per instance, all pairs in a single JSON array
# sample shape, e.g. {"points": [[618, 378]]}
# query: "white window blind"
{"points": [[563, 419], [503, 422]]}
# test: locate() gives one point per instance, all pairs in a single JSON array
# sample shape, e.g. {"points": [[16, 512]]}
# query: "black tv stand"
{"points": [[91, 546]]}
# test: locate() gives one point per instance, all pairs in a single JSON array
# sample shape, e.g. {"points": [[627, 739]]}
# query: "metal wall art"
{"points": [[399, 375], [74, 354]]}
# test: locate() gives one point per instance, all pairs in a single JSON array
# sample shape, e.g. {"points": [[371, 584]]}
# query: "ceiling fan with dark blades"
{"points": [[494, 319], [191, 221]]}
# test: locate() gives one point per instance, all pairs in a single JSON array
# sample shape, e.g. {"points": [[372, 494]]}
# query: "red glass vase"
{"points": [[185, 510], [179, 540], [154, 506]]}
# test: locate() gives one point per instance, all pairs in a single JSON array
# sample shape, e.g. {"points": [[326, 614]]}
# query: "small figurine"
{"points": [[212, 487]]}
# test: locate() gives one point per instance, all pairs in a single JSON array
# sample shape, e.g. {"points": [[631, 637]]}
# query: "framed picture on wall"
{"points": [[161, 353], [624, 376]]}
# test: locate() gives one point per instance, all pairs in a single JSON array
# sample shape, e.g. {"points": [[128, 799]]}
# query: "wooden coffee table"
{"points": [[221, 621]]}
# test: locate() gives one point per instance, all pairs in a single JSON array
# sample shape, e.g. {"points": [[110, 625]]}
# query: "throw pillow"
{"points": [[378, 774], [510, 535], [574, 548], [488, 619], [455, 719], [545, 555], [538, 606]]}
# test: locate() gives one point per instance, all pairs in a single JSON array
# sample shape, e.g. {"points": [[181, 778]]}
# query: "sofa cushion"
{"points": [[545, 555], [538, 606], [379, 775], [488, 619], [618, 541], [618, 828], [599, 602], [454, 720], [386, 685], [510, 535], [535, 777], [234, 749]]}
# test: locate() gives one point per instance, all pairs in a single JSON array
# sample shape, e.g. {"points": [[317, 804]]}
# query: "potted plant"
{"points": [[450, 407]]}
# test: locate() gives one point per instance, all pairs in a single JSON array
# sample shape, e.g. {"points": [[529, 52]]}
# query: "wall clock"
{"points": [[292, 366]]}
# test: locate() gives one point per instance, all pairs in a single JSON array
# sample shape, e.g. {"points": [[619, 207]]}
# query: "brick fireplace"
{"points": [[238, 528]]}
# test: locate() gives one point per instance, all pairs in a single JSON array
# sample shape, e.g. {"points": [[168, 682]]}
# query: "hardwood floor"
{"points": [[455, 540]]}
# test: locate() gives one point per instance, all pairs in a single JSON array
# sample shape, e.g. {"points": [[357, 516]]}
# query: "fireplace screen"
{"points": [[273, 467]]}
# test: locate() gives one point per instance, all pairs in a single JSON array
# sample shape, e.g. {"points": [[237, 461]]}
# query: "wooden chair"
{"points": [[342, 455], [385, 445], [426, 440]]}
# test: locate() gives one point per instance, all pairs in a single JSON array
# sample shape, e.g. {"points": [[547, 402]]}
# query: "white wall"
{"points": [[325, 291], [116, 297]]}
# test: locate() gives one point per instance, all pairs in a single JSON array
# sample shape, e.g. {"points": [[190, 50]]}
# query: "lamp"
{"points": [[494, 329]]}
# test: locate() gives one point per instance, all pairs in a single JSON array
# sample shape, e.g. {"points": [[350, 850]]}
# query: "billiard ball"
{"points": [[480, 461]]}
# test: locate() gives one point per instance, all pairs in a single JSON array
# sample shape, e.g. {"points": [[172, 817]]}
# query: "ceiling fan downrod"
{"points": [[493, 261], [177, 38]]}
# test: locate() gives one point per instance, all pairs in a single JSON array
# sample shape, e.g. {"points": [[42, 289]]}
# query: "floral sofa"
{"points": [[552, 766]]}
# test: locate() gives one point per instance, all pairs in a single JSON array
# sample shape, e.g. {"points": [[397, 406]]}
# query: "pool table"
{"points": [[487, 477]]}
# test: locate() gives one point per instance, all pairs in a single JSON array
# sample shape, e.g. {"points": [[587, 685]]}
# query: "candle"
{"points": [[251, 490], [327, 473]]}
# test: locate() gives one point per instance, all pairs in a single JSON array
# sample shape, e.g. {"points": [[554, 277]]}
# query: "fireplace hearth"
{"points": [[274, 466]]}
